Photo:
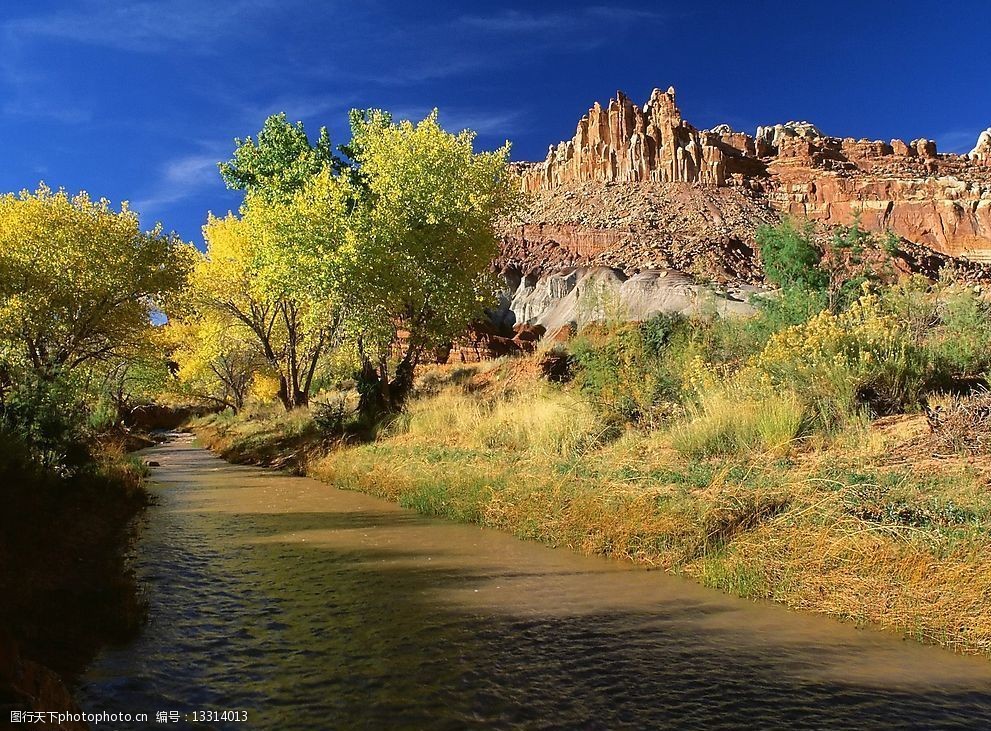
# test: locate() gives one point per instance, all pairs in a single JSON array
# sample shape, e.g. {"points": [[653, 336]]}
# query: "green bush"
{"points": [[626, 370], [951, 324], [791, 306], [101, 416], [790, 256], [961, 346], [49, 417]]}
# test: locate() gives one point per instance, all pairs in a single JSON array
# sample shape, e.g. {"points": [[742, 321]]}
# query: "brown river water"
{"points": [[310, 607]]}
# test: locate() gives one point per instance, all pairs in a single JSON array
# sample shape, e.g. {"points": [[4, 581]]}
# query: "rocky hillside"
{"points": [[705, 231], [639, 188]]}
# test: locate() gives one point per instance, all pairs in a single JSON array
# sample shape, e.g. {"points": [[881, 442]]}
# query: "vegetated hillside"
{"points": [[639, 188]]}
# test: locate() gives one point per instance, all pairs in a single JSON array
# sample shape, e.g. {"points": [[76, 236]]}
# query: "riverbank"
{"points": [[63, 574], [868, 526]]}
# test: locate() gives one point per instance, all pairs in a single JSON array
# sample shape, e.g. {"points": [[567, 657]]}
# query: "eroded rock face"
{"points": [[702, 230], [557, 301], [625, 142], [942, 201], [939, 201]]}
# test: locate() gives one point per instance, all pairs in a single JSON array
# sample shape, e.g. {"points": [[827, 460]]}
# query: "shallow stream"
{"points": [[309, 607]]}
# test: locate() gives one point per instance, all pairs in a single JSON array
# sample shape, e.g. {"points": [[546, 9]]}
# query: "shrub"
{"points": [[853, 259], [330, 415], [838, 363], [102, 416], [790, 256], [49, 418], [952, 326], [848, 259], [961, 346], [792, 306], [626, 371]]}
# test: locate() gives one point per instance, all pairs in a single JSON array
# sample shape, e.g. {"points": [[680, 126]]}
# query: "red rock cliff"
{"points": [[942, 201]]}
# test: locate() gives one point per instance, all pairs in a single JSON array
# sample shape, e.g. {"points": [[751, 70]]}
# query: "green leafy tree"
{"points": [[790, 255], [422, 242], [850, 258], [389, 255], [280, 162], [117, 385], [47, 416]]}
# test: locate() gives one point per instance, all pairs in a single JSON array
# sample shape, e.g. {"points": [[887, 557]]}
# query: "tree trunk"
{"points": [[371, 404], [284, 394], [381, 395], [402, 385]]}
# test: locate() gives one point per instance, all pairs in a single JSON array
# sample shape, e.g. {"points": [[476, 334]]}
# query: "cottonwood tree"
{"points": [[242, 286], [78, 280], [388, 256], [216, 363], [280, 162], [423, 239]]}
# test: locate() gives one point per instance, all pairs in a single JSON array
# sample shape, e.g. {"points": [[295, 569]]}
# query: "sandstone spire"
{"points": [[624, 142], [982, 150]]}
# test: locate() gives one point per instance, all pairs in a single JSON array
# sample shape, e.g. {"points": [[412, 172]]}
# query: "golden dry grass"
{"points": [[729, 420]]}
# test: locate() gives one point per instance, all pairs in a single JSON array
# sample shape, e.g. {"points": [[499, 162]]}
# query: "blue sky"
{"points": [[138, 100]]}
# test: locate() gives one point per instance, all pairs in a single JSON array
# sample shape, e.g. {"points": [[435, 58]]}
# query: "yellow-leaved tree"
{"points": [[217, 364], [79, 281], [382, 257], [418, 271], [256, 285]]}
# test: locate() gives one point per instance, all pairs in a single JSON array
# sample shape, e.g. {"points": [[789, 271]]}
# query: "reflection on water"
{"points": [[314, 608]]}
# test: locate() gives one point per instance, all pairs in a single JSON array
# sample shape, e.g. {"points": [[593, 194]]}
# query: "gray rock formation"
{"points": [[598, 294]]}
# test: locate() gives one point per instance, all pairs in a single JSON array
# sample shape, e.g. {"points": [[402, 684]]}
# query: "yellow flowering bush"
{"points": [[840, 362]]}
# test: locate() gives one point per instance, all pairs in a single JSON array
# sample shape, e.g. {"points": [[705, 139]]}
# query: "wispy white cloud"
{"points": [[179, 179], [959, 140], [521, 22], [516, 21], [142, 26], [410, 71], [37, 108], [296, 107], [24, 83], [454, 119]]}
